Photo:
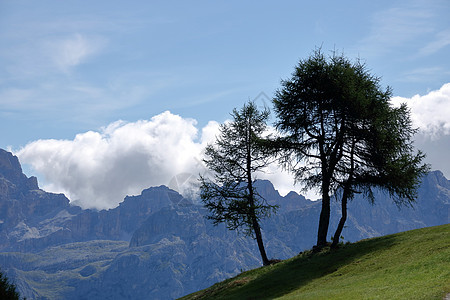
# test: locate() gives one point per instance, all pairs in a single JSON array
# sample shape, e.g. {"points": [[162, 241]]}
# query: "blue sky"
{"points": [[75, 73]]}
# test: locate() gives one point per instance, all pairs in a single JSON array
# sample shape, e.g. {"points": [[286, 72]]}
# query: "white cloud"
{"points": [[73, 50], [431, 112], [29, 57], [99, 168]]}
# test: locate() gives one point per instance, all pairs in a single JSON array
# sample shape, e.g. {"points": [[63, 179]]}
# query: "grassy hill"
{"points": [[408, 265]]}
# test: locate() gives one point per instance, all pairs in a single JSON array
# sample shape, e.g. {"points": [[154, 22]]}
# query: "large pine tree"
{"points": [[341, 135]]}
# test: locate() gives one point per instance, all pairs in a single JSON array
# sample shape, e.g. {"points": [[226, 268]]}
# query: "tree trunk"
{"points": [[341, 224], [324, 217], [259, 240], [255, 225], [345, 195], [252, 212]]}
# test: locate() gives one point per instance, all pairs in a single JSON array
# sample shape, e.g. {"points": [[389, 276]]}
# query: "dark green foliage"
{"points": [[7, 289], [234, 158], [341, 135]]}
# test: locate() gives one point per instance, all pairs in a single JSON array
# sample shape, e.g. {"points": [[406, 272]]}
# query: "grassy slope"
{"points": [[408, 265]]}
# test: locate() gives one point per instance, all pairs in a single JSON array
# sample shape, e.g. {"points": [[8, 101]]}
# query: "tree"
{"points": [[341, 134], [380, 154], [234, 158], [7, 289]]}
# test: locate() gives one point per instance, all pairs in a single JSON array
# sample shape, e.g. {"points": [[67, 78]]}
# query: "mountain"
{"points": [[159, 245], [32, 219]]}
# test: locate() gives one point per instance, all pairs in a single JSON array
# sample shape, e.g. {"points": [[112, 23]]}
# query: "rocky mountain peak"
{"points": [[154, 199], [436, 178], [11, 171], [10, 167]]}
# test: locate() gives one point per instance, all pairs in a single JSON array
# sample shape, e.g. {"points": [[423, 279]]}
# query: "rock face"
{"points": [[23, 204], [159, 245]]}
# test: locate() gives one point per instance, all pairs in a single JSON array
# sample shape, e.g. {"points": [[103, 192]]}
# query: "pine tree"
{"points": [[230, 195], [341, 135]]}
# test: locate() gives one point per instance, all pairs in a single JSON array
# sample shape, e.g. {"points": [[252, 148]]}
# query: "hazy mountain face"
{"points": [[159, 245]]}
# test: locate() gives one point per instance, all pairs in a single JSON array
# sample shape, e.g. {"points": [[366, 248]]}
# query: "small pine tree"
{"points": [[230, 196]]}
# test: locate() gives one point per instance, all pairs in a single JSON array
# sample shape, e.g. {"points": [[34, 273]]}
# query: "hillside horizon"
{"points": [[403, 265]]}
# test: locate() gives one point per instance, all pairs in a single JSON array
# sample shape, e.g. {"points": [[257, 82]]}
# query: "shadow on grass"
{"points": [[278, 280]]}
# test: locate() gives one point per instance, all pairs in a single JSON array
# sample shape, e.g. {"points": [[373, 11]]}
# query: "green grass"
{"points": [[408, 265]]}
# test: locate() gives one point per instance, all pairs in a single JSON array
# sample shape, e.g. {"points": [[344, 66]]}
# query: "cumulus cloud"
{"points": [[97, 169], [431, 112]]}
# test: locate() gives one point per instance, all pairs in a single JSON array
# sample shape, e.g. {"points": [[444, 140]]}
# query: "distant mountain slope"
{"points": [[159, 244], [407, 265]]}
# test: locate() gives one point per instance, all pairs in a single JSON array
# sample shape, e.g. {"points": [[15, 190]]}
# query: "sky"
{"points": [[101, 99]]}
